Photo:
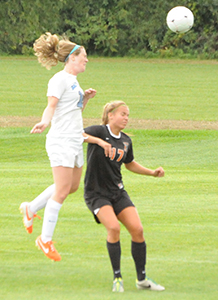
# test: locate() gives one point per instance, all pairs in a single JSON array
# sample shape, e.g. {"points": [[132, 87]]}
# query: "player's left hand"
{"points": [[90, 93], [159, 172]]}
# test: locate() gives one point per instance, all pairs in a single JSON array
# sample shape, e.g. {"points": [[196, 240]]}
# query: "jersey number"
{"points": [[80, 102], [120, 153]]}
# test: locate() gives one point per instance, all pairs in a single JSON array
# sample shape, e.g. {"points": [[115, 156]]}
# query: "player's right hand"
{"points": [[38, 128], [107, 148]]}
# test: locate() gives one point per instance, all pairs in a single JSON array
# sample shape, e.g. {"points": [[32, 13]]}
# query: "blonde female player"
{"points": [[106, 197], [66, 100]]}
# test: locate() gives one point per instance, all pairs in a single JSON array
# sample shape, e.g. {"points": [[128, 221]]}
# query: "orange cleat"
{"points": [[48, 249], [28, 216]]}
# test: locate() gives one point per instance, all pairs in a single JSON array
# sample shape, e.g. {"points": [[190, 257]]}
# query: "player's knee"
{"points": [[74, 189], [138, 233], [114, 230], [62, 193]]}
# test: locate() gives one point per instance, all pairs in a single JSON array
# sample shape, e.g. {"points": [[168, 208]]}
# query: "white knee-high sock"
{"points": [[50, 219], [40, 201]]}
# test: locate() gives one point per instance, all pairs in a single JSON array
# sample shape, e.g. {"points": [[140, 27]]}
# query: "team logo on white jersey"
{"points": [[74, 86]]}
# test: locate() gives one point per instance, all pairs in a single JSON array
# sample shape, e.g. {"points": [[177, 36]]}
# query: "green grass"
{"points": [[179, 212], [153, 89]]}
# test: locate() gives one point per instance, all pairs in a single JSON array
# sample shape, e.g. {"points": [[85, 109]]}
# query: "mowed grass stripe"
{"points": [[153, 89]]}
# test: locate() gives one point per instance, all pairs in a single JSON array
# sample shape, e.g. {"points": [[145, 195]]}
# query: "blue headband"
{"points": [[73, 50]]}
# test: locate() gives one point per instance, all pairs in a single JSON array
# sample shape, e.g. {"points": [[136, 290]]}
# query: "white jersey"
{"points": [[67, 120]]}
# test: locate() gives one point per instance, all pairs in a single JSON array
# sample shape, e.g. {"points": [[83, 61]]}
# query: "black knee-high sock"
{"points": [[114, 251], [139, 256]]}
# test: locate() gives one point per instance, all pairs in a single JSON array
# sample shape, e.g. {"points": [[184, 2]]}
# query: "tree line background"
{"points": [[110, 27]]}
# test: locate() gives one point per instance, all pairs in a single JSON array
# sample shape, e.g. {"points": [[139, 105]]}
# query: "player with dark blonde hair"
{"points": [[66, 101], [106, 197]]}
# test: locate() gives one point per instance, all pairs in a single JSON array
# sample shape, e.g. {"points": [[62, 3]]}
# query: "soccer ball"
{"points": [[180, 19]]}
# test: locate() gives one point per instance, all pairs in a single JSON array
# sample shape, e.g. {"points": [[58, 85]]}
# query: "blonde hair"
{"points": [[110, 108], [50, 49]]}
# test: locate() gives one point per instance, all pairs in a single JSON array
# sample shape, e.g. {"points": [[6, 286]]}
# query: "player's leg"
{"points": [[41, 200], [63, 177], [130, 219], [77, 173], [108, 218], [29, 209]]}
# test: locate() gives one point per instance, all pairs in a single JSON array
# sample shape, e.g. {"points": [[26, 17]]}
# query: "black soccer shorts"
{"points": [[119, 202]]}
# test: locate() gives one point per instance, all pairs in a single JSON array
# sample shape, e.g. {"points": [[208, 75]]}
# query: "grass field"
{"points": [[179, 212]]}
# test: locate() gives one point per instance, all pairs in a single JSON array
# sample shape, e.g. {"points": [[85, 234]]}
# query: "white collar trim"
{"points": [[112, 134]]}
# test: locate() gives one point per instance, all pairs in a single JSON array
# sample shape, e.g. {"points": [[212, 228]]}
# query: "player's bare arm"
{"points": [[47, 116], [94, 140], [139, 169], [88, 94]]}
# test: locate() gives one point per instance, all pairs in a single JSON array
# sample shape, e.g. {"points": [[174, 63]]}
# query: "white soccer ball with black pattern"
{"points": [[180, 19]]}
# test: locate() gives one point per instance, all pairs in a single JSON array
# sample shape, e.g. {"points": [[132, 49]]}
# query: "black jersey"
{"points": [[103, 174]]}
